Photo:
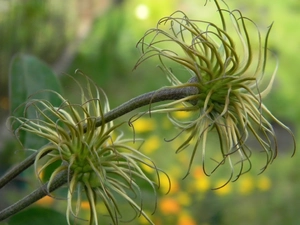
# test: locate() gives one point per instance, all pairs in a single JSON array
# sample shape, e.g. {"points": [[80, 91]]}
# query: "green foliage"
{"points": [[30, 76], [37, 216]]}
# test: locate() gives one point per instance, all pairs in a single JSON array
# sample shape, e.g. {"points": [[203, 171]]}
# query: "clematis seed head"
{"points": [[226, 63]]}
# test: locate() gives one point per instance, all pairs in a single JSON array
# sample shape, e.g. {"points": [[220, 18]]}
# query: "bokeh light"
{"points": [[142, 11]]}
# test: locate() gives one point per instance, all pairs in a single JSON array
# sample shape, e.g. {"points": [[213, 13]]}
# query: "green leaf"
{"points": [[37, 216], [28, 76]]}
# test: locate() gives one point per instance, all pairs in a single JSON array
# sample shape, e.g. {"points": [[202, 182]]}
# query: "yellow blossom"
{"points": [[246, 185], [201, 182], [202, 185], [169, 205], [186, 219], [264, 183], [181, 114], [47, 200], [222, 188], [169, 184], [143, 125], [151, 144]]}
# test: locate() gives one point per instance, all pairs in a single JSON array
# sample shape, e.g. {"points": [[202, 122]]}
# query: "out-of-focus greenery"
{"points": [[107, 54], [41, 28]]}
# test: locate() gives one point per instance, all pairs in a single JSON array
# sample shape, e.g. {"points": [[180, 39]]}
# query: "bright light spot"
{"points": [[142, 12]]}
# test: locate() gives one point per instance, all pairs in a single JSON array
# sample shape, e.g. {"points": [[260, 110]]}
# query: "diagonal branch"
{"points": [[36, 195]]}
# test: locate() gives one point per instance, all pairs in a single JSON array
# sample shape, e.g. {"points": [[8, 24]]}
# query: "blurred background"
{"points": [[99, 37]]}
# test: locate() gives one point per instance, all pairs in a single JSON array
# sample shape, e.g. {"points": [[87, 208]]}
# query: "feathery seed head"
{"points": [[227, 64], [102, 165]]}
